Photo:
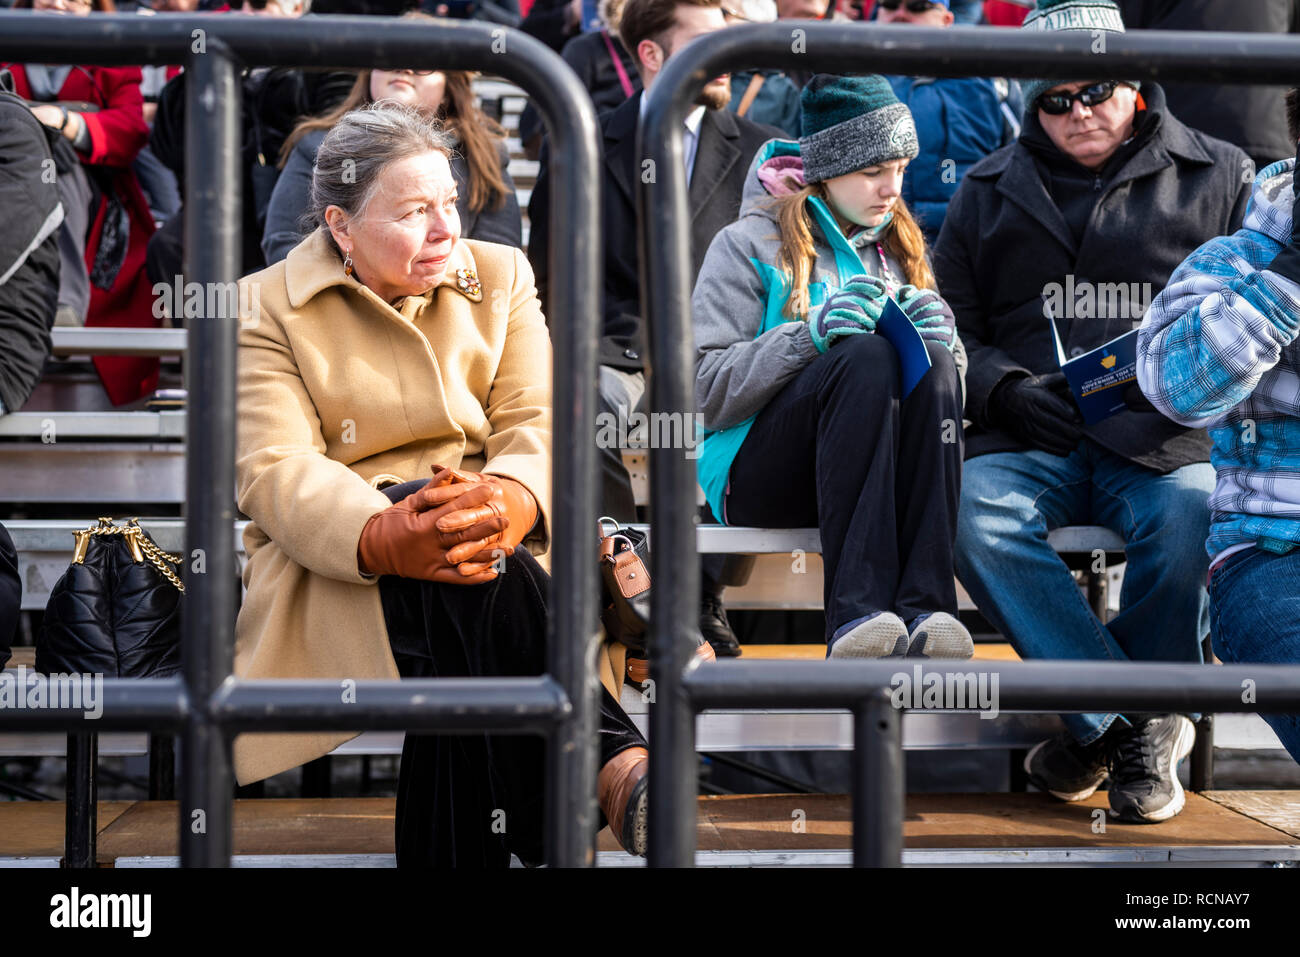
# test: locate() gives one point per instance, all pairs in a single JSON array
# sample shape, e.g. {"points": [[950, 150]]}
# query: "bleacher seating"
{"points": [[71, 457]]}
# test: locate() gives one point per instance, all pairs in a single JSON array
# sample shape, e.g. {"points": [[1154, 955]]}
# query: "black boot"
{"points": [[714, 625]]}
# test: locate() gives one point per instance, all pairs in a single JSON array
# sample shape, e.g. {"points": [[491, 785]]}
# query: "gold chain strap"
{"points": [[141, 547]]}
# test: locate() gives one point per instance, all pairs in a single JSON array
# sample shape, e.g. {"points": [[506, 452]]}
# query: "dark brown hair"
{"points": [[459, 115], [650, 20], [1293, 113]]}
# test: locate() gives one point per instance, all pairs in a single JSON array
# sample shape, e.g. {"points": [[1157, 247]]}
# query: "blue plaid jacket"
{"points": [[1215, 351]]}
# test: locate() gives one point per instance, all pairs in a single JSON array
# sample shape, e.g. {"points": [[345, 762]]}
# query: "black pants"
{"points": [[880, 477], [470, 800]]}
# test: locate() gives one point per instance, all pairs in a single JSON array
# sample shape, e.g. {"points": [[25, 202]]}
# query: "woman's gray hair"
{"points": [[357, 149]]}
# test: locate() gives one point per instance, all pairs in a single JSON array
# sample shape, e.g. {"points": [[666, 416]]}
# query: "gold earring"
{"points": [[347, 264]]}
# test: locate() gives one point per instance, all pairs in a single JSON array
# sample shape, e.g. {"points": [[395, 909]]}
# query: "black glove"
{"points": [[1040, 411], [1287, 262]]}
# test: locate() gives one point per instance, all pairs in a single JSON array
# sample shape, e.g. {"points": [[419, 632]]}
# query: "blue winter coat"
{"points": [[959, 121]]}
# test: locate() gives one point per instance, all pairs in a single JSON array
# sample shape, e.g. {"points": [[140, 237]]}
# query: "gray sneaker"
{"points": [[883, 635], [939, 635], [1066, 769], [1144, 786]]}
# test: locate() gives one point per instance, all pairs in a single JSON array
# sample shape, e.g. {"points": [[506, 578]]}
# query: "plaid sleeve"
{"points": [[1216, 329]]}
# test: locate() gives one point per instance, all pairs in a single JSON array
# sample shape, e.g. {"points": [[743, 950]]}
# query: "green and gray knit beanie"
{"points": [[850, 123], [1085, 15]]}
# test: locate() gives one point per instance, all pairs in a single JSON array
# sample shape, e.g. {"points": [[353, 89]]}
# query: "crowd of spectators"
{"points": [[814, 201]]}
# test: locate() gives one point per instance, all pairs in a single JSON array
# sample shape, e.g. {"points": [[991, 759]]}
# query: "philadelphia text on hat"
{"points": [[1080, 17]]}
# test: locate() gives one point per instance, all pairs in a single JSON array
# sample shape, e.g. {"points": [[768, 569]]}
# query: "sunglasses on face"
{"points": [[913, 6], [1058, 104]]}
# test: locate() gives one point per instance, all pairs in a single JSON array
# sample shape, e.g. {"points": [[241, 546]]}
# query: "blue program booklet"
{"points": [[913, 359], [1099, 378]]}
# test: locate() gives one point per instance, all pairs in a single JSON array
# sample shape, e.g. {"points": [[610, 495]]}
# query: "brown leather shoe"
{"points": [[638, 669], [621, 789]]}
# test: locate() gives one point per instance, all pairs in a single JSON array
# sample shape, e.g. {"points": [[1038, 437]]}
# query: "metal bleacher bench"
{"points": [[44, 547]]}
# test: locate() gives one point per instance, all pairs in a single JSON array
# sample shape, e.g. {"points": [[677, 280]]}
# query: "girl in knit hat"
{"points": [[807, 424]]}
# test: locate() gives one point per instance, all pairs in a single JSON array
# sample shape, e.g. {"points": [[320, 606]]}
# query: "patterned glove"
{"points": [[850, 310], [930, 314]]}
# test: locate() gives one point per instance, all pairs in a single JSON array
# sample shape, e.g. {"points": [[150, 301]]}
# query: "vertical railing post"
{"points": [[877, 783], [213, 215], [81, 810], [665, 279], [573, 634]]}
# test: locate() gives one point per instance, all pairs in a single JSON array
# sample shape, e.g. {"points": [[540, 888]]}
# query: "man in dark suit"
{"points": [[718, 148]]}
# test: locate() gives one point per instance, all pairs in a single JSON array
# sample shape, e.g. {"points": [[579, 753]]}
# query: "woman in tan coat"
{"points": [[384, 349]]}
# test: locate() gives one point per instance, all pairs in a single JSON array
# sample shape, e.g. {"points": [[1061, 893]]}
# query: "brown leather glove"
{"points": [[494, 527], [404, 539]]}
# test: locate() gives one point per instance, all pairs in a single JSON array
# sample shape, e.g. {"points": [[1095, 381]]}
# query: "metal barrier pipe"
{"points": [[364, 43], [499, 705], [1044, 686], [214, 213], [666, 285], [878, 783], [90, 703]]}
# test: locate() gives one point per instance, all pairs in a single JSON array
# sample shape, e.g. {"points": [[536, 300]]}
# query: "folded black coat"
{"points": [[1006, 243], [29, 255]]}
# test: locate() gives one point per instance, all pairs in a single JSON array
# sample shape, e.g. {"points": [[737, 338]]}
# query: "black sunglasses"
{"points": [[1058, 104], [913, 6]]}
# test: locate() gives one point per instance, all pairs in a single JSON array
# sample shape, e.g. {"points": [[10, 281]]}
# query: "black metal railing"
{"points": [[207, 706], [666, 287]]}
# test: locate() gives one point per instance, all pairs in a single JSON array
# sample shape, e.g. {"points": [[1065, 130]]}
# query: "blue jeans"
{"points": [[1011, 500], [1255, 615]]}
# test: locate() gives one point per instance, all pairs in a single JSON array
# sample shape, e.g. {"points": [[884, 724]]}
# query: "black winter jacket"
{"points": [[1005, 242], [29, 253]]}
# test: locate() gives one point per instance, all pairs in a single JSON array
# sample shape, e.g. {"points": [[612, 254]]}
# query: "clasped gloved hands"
{"points": [[450, 531], [929, 314], [851, 310], [1040, 411]]}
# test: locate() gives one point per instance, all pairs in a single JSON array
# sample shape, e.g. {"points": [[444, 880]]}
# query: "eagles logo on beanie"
{"points": [[850, 123], [1085, 15]]}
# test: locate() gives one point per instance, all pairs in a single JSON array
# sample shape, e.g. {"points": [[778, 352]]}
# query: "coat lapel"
{"points": [[715, 155], [1021, 184], [620, 146]]}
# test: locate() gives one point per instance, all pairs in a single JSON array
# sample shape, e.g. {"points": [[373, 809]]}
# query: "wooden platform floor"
{"points": [[354, 826]]}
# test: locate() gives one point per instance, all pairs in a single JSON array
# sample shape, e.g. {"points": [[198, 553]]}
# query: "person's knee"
{"points": [[865, 363]]}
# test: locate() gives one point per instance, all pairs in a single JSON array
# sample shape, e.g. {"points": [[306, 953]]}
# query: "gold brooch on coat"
{"points": [[467, 282]]}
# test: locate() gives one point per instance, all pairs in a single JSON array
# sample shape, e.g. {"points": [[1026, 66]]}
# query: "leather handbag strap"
{"points": [[751, 93], [623, 79]]}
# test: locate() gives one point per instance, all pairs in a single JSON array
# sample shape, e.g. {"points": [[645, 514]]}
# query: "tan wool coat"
{"points": [[337, 388]]}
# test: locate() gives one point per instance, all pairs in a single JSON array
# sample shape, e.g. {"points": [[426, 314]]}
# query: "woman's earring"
{"points": [[347, 264]]}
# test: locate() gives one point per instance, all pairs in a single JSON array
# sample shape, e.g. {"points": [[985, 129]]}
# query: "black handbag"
{"points": [[625, 584], [116, 610]]}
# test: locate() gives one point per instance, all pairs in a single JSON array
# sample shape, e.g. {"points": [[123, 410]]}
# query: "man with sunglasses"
{"points": [[959, 120], [1102, 196]]}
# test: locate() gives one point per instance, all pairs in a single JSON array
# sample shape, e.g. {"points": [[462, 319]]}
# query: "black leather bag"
{"points": [[116, 610]]}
